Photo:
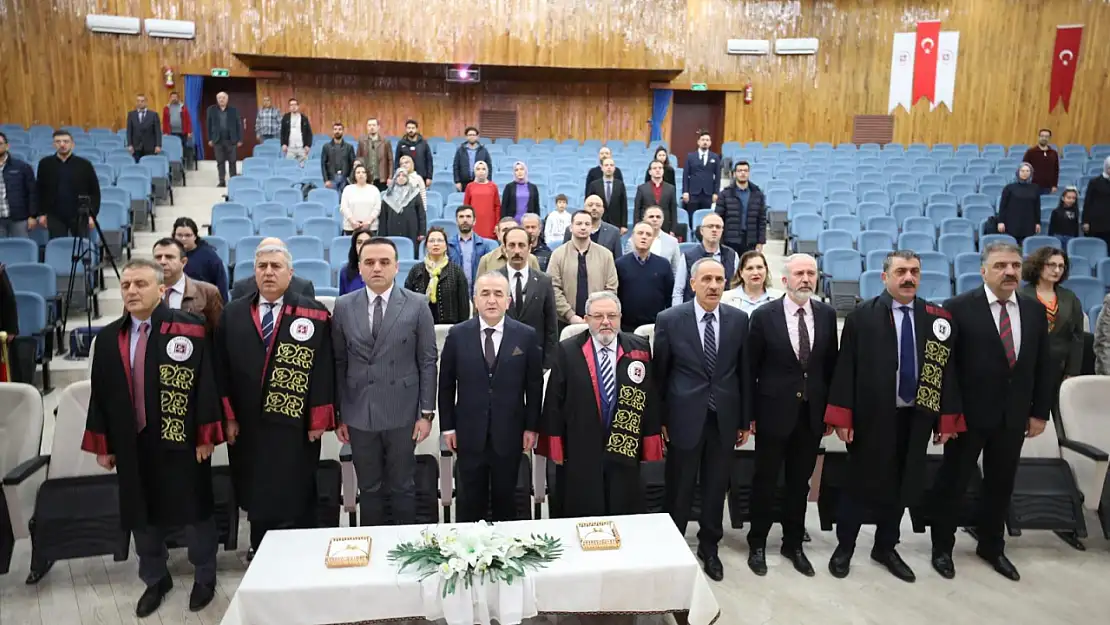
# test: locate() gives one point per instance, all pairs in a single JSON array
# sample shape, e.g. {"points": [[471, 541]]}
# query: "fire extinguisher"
{"points": [[167, 74], [748, 93]]}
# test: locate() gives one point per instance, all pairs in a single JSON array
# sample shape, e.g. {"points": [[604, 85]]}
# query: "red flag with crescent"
{"points": [[1065, 60], [925, 61]]}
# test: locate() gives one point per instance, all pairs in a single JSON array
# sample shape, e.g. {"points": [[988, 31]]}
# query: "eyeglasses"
{"points": [[612, 317], [1055, 265]]}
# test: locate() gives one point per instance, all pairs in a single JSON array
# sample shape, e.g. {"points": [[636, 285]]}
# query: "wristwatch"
{"points": [[427, 416]]}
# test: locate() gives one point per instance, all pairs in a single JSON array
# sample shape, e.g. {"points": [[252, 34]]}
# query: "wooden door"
{"points": [[693, 112], [241, 94]]}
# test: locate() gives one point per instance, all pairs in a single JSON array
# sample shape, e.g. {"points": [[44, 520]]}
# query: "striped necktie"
{"points": [[1006, 332], [608, 382], [268, 324], [710, 348]]}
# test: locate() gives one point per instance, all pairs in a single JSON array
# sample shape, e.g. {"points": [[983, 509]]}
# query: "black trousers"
{"points": [[699, 201], [486, 477], [260, 528], [853, 510], [710, 459], [225, 152], [201, 540], [69, 226], [139, 153], [795, 456], [1001, 449]]}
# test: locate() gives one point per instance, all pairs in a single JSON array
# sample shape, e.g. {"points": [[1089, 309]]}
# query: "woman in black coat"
{"points": [[515, 189], [664, 157], [1019, 210], [1043, 271], [441, 280], [402, 210]]}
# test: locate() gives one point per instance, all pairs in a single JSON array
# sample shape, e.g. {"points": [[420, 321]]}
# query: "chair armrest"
{"points": [[19, 474], [1083, 449]]}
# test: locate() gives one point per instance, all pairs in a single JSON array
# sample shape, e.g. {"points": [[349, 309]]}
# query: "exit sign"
{"points": [[220, 72], [698, 86]]}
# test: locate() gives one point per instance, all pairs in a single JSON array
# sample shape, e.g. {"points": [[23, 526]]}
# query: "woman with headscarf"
{"points": [[481, 195], [1064, 221], [414, 178], [664, 157], [349, 277], [1019, 209], [402, 209], [520, 196], [441, 280]]}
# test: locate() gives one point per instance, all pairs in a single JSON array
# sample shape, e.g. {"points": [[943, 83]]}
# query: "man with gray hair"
{"points": [[276, 375], [247, 286], [225, 135], [1096, 205], [600, 416]]}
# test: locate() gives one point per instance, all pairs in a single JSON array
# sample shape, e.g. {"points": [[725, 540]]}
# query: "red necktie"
{"points": [[138, 377], [1006, 332]]}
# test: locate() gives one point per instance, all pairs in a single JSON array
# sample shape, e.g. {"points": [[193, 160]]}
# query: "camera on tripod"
{"points": [[84, 254]]}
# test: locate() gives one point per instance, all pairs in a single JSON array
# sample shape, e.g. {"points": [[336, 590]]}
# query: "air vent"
{"points": [[498, 124], [872, 129]]}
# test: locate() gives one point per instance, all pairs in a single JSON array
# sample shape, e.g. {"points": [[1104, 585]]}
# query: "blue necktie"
{"points": [[608, 385], [907, 358], [268, 324]]}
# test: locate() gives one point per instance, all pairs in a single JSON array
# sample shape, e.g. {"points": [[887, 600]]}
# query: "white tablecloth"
{"points": [[653, 572]]}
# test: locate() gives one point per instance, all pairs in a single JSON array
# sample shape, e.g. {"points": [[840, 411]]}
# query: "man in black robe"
{"points": [[154, 416], [892, 387], [276, 375], [601, 415]]}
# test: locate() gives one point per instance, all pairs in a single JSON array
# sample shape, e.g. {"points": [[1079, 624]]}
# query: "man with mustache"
{"points": [[497, 259], [893, 387], [600, 416], [532, 296], [792, 350], [1003, 366], [703, 375]]}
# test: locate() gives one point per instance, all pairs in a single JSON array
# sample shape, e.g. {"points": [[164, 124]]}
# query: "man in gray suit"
{"points": [[144, 131], [385, 367], [247, 287]]}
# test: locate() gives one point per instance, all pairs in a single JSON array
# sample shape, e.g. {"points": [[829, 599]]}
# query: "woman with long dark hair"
{"points": [[664, 157], [203, 263], [349, 277], [1064, 222], [1043, 272], [441, 280]]}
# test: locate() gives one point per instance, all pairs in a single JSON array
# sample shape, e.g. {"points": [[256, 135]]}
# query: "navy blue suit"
{"points": [[701, 181], [489, 412]]}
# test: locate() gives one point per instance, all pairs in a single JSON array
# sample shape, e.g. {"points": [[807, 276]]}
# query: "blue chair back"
{"points": [[870, 284], [305, 248], [18, 250], [916, 241], [1088, 289], [935, 286], [1091, 248], [405, 247], [280, 227], [968, 281], [233, 228], [1033, 243], [834, 239], [33, 277], [841, 264], [31, 311], [323, 228]]}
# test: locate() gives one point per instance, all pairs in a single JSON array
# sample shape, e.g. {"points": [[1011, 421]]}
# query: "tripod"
{"points": [[83, 254]]}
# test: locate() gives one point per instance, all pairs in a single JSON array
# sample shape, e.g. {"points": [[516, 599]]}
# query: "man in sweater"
{"points": [[710, 230], [469, 153], [377, 154], [1045, 162], [1096, 205], [578, 268], [662, 243], [414, 145], [744, 210], [296, 133], [176, 121], [645, 281], [66, 183], [337, 159]]}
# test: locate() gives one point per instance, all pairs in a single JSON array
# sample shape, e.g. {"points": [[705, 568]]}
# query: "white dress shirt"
{"points": [[498, 334], [739, 298], [700, 312], [277, 304], [1015, 316], [703, 156], [176, 293], [896, 307], [371, 296], [512, 282], [790, 309], [296, 141], [134, 336]]}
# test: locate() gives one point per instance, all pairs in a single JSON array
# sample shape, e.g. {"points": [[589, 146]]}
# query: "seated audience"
{"points": [[753, 277], [349, 277], [441, 280], [202, 261]]}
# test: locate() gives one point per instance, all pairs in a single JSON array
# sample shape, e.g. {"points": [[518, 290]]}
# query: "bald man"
{"points": [[225, 135], [247, 287]]}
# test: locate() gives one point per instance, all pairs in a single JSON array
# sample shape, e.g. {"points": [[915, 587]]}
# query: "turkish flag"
{"points": [[1065, 60], [925, 61]]}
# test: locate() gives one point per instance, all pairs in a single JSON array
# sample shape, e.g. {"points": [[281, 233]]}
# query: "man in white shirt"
{"points": [[296, 133], [182, 292]]}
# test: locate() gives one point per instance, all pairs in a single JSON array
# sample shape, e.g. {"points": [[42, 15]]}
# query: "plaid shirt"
{"points": [[268, 122], [5, 209]]}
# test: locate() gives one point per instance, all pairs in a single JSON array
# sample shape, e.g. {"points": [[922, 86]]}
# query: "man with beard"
{"points": [[275, 369], [604, 234], [792, 350], [376, 153], [154, 416], [601, 416], [743, 207], [337, 160], [467, 248], [497, 259], [703, 376], [578, 268], [532, 296], [1006, 387], [893, 385], [414, 145]]}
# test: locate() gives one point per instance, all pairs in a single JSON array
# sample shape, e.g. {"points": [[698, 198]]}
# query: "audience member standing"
{"points": [[710, 247], [644, 280], [792, 347], [613, 196], [349, 277], [268, 121], [414, 178], [414, 145], [533, 297], [701, 180], [499, 256], [533, 225], [744, 209], [753, 288], [596, 172], [604, 234], [65, 183], [402, 212], [377, 154], [177, 121], [662, 156], [385, 334], [337, 159], [662, 243], [1096, 205], [1003, 368], [467, 248], [1019, 210], [1043, 272], [557, 222], [17, 193], [441, 280], [361, 203], [296, 133], [144, 131], [578, 268], [1064, 221], [482, 194], [225, 135], [203, 262], [520, 196], [467, 156], [657, 192], [182, 292], [1045, 162]]}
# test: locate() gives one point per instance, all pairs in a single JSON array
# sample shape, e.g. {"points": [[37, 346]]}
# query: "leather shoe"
{"points": [[201, 596], [841, 562], [757, 561], [36, 574], [942, 563], [798, 558], [250, 554], [1001, 564], [152, 597], [894, 563], [712, 565]]}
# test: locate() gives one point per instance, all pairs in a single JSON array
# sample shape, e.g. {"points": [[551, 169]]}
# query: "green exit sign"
{"points": [[699, 86], [220, 72]]}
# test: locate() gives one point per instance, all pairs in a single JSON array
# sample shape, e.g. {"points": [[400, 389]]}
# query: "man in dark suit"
{"points": [[489, 401], [225, 135], [701, 179], [657, 193], [604, 234], [792, 351], [144, 131], [248, 287], [703, 377], [613, 196], [531, 293], [1002, 363], [743, 208], [595, 171]]}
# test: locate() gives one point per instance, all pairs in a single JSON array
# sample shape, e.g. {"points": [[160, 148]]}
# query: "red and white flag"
{"points": [[923, 65], [1065, 60]]}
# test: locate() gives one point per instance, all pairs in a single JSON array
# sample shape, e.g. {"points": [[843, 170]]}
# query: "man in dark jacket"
{"points": [[65, 182], [596, 172], [1096, 205], [469, 153], [225, 135], [18, 201], [144, 131], [415, 146], [744, 209], [337, 159], [295, 145]]}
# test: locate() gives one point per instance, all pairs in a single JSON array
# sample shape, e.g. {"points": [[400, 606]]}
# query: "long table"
{"points": [[653, 572]]}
